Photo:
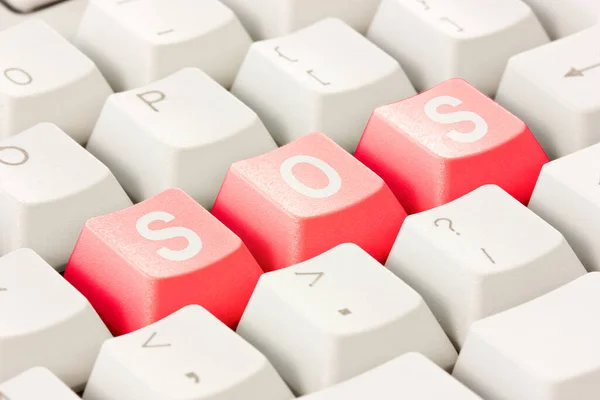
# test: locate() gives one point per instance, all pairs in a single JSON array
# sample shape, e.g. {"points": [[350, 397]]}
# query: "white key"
{"points": [[336, 316], [435, 40], [410, 376], [189, 355], [49, 187], [43, 78], [546, 349], [266, 19], [28, 5], [554, 90], [35, 384], [479, 255], [137, 42], [565, 17], [567, 196], [45, 322], [325, 78], [63, 17], [183, 131]]}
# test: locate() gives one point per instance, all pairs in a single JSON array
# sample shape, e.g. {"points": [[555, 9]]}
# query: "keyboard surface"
{"points": [[316, 199]]}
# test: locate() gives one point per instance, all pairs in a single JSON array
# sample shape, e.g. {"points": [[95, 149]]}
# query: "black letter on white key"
{"points": [[150, 101], [6, 161], [18, 76]]}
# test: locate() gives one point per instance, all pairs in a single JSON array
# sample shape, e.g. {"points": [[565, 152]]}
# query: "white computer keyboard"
{"points": [[326, 199]]}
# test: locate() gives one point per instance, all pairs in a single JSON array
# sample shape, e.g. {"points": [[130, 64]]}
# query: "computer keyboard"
{"points": [[316, 199]]}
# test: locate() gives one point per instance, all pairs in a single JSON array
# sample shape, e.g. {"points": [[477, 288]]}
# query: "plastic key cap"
{"points": [[266, 19], [137, 42], [49, 187], [554, 89], [564, 17], [183, 131], [410, 376], [566, 196], [140, 264], [546, 349], [325, 78], [435, 40], [342, 314], [35, 384], [304, 198], [479, 255], [45, 322], [43, 78], [444, 143], [188, 355]]}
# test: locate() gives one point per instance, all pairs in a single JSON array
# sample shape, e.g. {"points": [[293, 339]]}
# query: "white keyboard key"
{"points": [[183, 131], [479, 255], [435, 40], [45, 322], [336, 316], [546, 349], [325, 78], [49, 187], [189, 355], [43, 78], [411, 376], [28, 5], [567, 196], [565, 17], [266, 19], [63, 16], [554, 90], [36, 384], [137, 42]]}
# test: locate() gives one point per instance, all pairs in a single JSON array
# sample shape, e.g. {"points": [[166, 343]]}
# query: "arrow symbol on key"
{"points": [[318, 275], [191, 375], [573, 72], [148, 345]]}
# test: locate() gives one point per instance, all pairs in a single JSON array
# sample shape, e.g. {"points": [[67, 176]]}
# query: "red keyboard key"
{"points": [[147, 261], [439, 145], [304, 198]]}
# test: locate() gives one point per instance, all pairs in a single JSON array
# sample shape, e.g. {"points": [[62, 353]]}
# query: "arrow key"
{"points": [[554, 90], [189, 355]]}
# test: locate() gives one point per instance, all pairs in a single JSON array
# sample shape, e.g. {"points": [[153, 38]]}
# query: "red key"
{"points": [[304, 198], [439, 145], [140, 264]]}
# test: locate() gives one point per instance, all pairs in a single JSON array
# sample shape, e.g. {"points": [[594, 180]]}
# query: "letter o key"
{"points": [[18, 76], [335, 181], [24, 156]]}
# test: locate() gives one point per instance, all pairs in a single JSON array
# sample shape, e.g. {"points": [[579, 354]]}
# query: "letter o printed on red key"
{"points": [[446, 142], [143, 263], [302, 199]]}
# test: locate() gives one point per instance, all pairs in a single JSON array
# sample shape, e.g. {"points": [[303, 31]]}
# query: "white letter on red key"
{"points": [[304, 198], [139, 265]]}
